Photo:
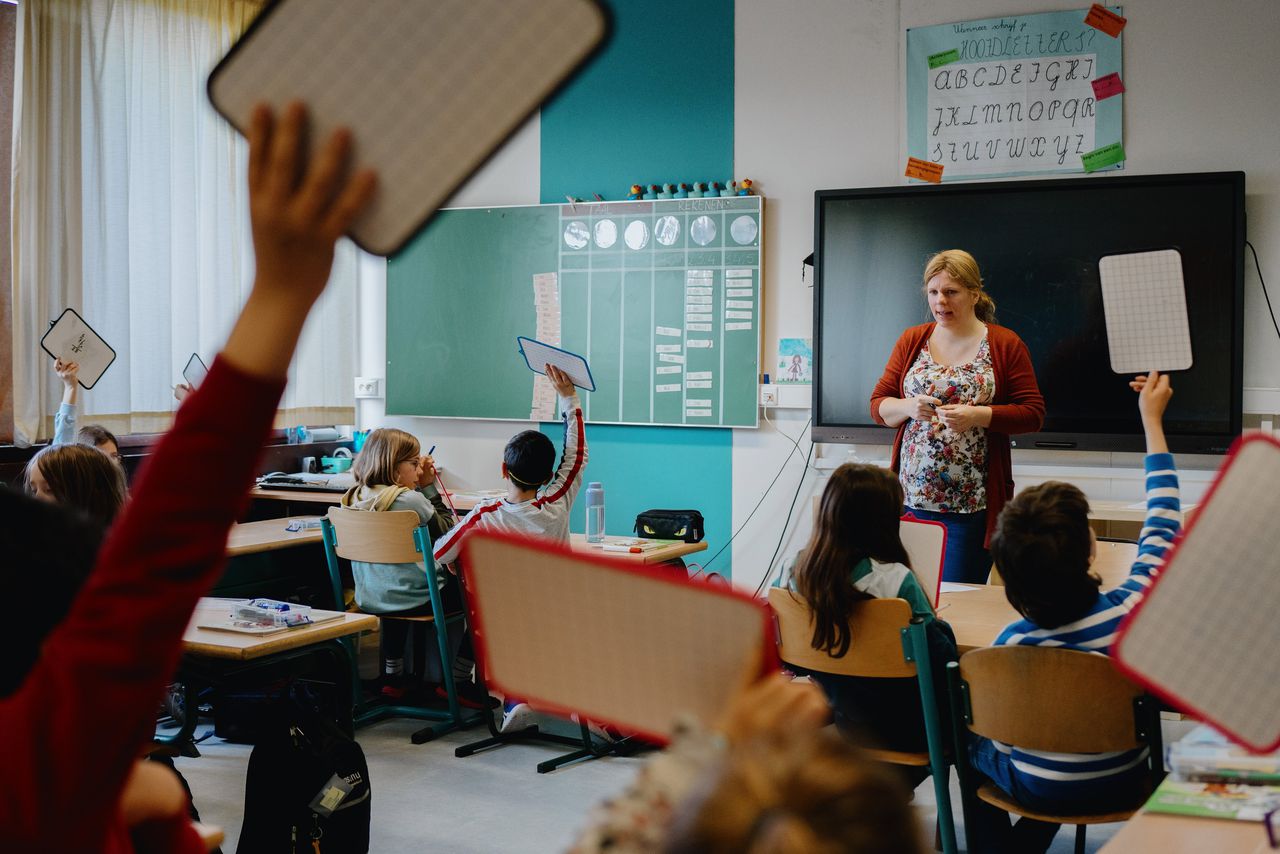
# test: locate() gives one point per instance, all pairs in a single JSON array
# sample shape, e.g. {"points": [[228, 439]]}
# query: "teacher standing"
{"points": [[956, 389]]}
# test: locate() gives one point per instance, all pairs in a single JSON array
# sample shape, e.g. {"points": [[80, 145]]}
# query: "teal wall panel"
{"points": [[655, 106]]}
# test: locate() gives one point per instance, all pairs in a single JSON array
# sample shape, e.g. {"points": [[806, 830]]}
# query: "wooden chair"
{"points": [[394, 536], [885, 643], [1066, 702]]}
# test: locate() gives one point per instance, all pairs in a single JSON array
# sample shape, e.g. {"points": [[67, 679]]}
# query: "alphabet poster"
{"points": [[1017, 95]]}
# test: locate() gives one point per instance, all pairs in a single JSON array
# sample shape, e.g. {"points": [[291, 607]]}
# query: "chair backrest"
{"points": [[1041, 698], [875, 647], [376, 536]]}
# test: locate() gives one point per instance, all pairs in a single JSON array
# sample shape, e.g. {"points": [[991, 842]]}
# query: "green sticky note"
{"points": [[1100, 158], [944, 58]]}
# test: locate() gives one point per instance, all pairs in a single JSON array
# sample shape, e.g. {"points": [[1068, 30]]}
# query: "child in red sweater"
{"points": [[110, 658]]}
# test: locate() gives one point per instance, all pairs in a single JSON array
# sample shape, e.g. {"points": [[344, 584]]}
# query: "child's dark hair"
{"points": [[1041, 548], [530, 458], [858, 518], [51, 549], [95, 435], [799, 791]]}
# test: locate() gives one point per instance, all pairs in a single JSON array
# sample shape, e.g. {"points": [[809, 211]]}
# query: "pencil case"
{"points": [[684, 525]]}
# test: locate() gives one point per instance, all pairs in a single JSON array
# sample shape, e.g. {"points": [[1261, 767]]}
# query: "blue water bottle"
{"points": [[595, 512]]}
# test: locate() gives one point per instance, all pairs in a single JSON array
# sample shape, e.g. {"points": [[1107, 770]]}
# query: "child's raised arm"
{"points": [[1164, 508], [568, 477]]}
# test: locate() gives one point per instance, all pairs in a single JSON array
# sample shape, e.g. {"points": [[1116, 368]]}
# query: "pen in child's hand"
{"points": [[432, 451]]}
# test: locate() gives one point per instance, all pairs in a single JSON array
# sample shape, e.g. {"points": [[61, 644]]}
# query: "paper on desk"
{"points": [[952, 587]]}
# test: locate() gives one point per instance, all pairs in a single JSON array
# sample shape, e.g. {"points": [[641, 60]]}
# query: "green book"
{"points": [[1234, 801]]}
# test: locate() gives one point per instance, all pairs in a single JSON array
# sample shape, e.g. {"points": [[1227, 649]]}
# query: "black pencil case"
{"points": [[670, 525]]}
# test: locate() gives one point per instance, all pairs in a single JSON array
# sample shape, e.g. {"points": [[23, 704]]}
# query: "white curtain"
{"points": [[129, 205]]}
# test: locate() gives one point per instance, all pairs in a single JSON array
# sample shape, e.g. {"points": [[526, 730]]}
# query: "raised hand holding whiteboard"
{"points": [[429, 90], [1145, 301], [1205, 635], [71, 339], [538, 355], [630, 646]]}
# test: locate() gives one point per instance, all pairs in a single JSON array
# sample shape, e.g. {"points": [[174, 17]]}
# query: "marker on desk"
{"points": [[635, 550]]}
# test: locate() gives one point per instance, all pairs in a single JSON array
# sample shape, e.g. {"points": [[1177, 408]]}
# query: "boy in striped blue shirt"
{"points": [[1043, 548]]}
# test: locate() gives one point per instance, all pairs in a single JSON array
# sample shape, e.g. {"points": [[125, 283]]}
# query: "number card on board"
{"points": [[630, 646], [1145, 303], [926, 545], [71, 339], [429, 90], [538, 355], [1205, 636]]}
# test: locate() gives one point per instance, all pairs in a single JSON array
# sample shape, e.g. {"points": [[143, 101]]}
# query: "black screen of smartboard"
{"points": [[1038, 251]]}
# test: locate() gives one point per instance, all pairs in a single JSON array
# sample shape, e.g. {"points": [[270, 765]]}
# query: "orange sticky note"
{"points": [[924, 170], [1102, 18]]}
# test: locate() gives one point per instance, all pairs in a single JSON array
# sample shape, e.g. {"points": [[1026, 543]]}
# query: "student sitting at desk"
{"points": [[538, 500], [391, 475], [1043, 548], [856, 554], [74, 726], [79, 477]]}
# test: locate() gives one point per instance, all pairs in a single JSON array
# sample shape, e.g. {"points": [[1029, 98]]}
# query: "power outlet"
{"points": [[368, 387], [768, 395]]}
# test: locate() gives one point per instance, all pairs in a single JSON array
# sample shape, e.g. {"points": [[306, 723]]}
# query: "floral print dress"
{"points": [[942, 470]]}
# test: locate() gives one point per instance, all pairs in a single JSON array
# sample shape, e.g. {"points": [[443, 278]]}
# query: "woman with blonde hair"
{"points": [[392, 474], [79, 476], [956, 388]]}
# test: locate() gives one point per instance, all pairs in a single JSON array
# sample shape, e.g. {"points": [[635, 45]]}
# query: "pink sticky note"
{"points": [[1105, 87]]}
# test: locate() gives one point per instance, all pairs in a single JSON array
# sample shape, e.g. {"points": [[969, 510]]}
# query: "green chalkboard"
{"points": [[662, 297]]}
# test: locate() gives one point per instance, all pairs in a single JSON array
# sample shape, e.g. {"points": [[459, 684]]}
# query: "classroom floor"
{"points": [[490, 802]]}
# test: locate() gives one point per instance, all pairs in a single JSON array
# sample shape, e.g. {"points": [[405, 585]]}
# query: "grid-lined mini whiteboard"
{"points": [[624, 646], [537, 355], [1208, 634], [429, 89], [1146, 308]]}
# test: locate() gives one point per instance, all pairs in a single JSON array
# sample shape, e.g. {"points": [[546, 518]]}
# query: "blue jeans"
{"points": [[967, 560]]}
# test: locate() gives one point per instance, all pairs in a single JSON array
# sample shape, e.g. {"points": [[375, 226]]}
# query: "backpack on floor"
{"points": [[307, 780]]}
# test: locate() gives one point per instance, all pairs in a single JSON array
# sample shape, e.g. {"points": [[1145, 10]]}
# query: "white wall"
{"points": [[818, 105]]}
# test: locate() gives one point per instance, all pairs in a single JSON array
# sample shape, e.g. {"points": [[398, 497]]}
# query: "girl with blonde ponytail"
{"points": [[956, 389]]}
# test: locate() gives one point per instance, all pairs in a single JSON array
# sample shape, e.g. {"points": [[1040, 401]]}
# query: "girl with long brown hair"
{"points": [[855, 554]]}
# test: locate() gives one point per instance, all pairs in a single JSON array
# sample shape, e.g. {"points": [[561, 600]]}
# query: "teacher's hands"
{"points": [[961, 417], [920, 408]]}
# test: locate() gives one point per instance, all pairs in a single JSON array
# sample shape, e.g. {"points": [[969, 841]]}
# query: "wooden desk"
{"points": [[268, 535], [663, 554], [1155, 833], [463, 501], [210, 643], [976, 616]]}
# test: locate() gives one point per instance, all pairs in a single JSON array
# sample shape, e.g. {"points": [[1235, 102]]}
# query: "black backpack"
{"points": [[306, 780]]}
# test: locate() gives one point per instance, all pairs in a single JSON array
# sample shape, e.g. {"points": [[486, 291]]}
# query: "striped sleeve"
{"points": [[448, 547], [1164, 521], [568, 477]]}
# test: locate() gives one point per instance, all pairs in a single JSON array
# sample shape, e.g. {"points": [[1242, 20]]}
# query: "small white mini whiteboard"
{"points": [[1145, 303], [1205, 637], [71, 339], [631, 646], [926, 545], [538, 355], [429, 89]]}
